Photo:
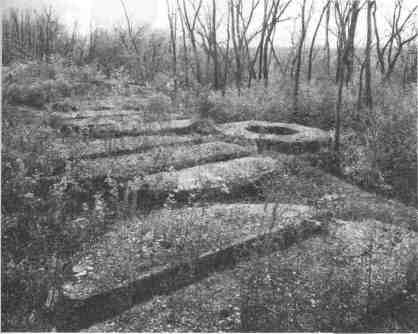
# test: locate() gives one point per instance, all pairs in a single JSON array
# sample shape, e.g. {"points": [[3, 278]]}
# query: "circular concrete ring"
{"points": [[287, 138]]}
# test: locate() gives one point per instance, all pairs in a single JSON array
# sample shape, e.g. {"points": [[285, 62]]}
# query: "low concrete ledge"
{"points": [[96, 114], [326, 277], [105, 127], [100, 148], [83, 308], [212, 180], [175, 157]]}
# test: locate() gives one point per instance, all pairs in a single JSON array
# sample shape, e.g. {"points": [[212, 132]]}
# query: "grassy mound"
{"points": [[158, 159], [325, 283], [227, 178], [115, 146]]}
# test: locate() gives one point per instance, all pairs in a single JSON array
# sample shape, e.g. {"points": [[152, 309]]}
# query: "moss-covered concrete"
{"points": [[160, 158], [325, 283]]}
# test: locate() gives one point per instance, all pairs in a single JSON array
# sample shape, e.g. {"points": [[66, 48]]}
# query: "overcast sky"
{"points": [[107, 13]]}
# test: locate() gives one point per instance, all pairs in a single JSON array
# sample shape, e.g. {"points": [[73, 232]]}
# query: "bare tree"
{"points": [[349, 58], [324, 10], [272, 12], [235, 41], [304, 22], [368, 79], [345, 17], [342, 17], [31, 35], [395, 43], [208, 33], [133, 41], [240, 37], [359, 103], [190, 22], [130, 29], [69, 44], [93, 35], [410, 66], [215, 48], [226, 54], [291, 58], [278, 10], [327, 48], [185, 47], [172, 21]]}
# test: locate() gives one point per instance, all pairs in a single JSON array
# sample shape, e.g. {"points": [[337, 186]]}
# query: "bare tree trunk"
{"points": [[299, 58], [240, 40], [128, 22], [368, 76], [191, 25], [360, 89], [226, 58], [392, 62], [313, 41], [208, 57], [342, 18], [405, 75], [274, 16], [47, 36], [261, 45], [338, 111], [276, 58], [172, 20], [327, 49], [251, 63], [270, 26], [196, 60], [234, 24], [379, 52], [185, 51], [349, 59], [133, 40], [215, 48]]}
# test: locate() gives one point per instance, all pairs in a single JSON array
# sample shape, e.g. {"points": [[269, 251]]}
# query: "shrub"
{"points": [[394, 129], [159, 103], [65, 105], [37, 83], [134, 103], [39, 225], [32, 214], [235, 107], [162, 82]]}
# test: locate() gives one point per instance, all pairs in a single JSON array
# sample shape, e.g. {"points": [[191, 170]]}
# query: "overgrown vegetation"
{"points": [[211, 72]]}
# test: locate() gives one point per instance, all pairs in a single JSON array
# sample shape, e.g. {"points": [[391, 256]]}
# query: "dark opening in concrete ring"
{"points": [[287, 138]]}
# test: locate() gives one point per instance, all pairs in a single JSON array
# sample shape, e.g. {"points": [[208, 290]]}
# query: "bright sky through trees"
{"points": [[107, 13]]}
